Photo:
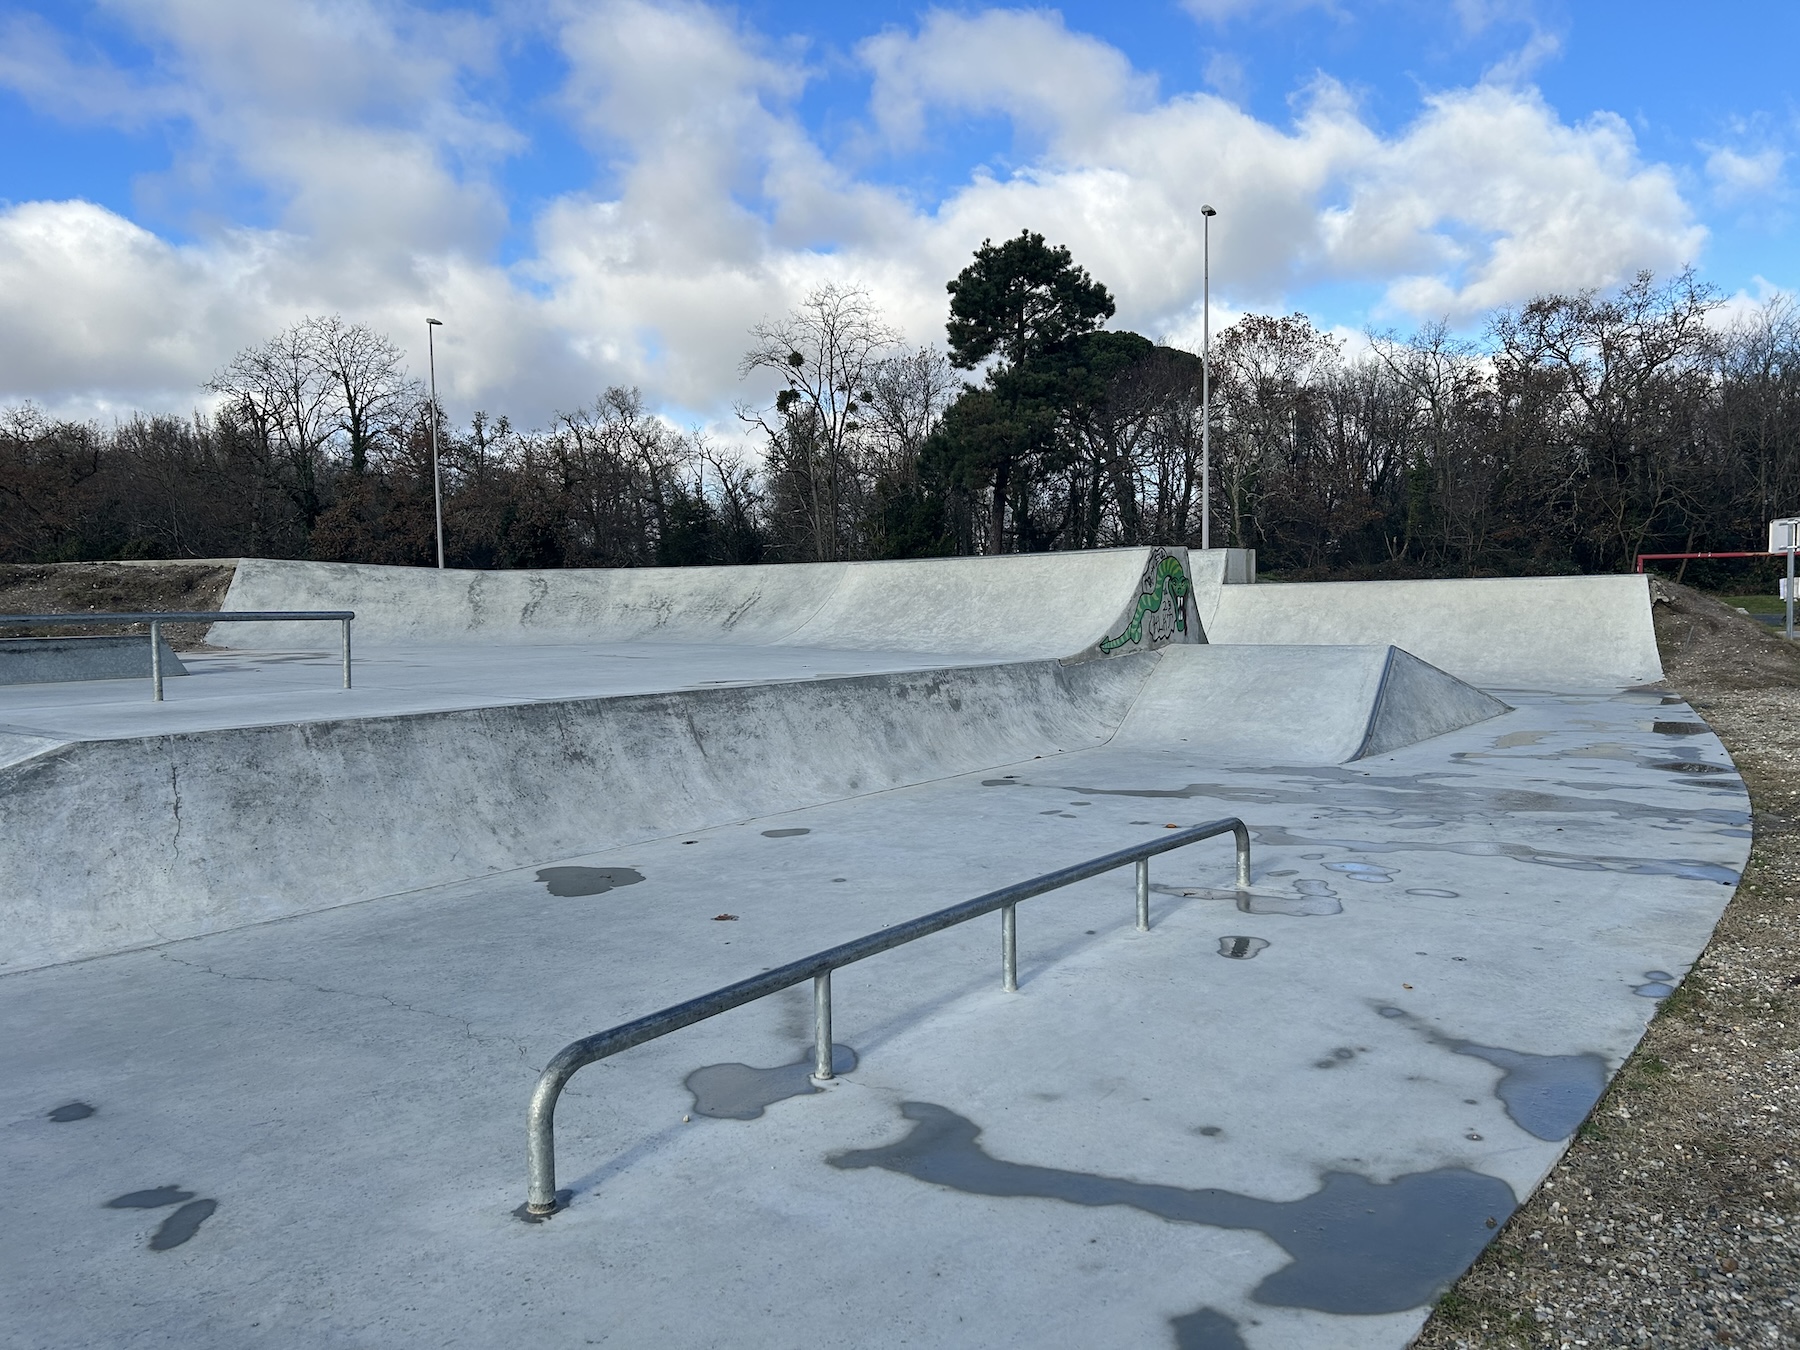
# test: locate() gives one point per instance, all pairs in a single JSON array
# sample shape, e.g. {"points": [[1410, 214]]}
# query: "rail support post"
{"points": [[822, 1027], [155, 662], [346, 624], [1143, 895], [1009, 948]]}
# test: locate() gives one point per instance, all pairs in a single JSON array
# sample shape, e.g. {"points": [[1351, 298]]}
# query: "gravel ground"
{"points": [[1672, 1219]]}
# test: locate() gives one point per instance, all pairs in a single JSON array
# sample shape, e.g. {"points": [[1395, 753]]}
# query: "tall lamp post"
{"points": [[437, 478], [1206, 215]]}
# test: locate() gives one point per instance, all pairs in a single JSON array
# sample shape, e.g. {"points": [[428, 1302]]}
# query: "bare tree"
{"points": [[825, 353]]}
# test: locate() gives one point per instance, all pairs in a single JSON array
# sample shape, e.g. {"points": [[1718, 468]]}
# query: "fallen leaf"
{"points": [[722, 918]]}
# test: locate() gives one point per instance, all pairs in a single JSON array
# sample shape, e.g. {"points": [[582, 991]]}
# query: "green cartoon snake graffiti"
{"points": [[1163, 580]]}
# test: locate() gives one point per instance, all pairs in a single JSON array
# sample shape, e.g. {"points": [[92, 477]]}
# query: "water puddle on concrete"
{"points": [[1690, 869], [1206, 1329], [1545, 1095], [1680, 728], [571, 881], [744, 1092], [1434, 894], [1362, 871], [68, 1111], [180, 1226], [1355, 1246], [1242, 948], [1659, 984], [784, 834]]}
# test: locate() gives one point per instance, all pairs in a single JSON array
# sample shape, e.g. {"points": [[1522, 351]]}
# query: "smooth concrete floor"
{"points": [[350, 1086], [234, 688]]}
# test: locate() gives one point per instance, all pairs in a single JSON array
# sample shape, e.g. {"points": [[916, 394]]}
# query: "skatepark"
{"points": [[284, 960]]}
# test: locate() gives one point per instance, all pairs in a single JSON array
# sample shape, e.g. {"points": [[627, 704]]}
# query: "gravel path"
{"points": [[1674, 1219]]}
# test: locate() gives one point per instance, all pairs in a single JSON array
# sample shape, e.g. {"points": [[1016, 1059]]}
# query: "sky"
{"points": [[612, 192]]}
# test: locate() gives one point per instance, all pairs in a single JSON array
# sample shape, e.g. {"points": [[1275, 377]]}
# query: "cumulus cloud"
{"points": [[711, 204]]}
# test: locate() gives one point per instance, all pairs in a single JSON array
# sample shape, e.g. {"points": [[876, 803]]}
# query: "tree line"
{"points": [[1582, 429]]}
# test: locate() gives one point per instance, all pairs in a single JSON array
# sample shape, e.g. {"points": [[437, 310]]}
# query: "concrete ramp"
{"points": [[1511, 633], [52, 660], [1267, 705], [1019, 607]]}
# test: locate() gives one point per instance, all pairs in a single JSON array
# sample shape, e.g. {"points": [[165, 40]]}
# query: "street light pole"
{"points": [[437, 478], [1206, 215]]}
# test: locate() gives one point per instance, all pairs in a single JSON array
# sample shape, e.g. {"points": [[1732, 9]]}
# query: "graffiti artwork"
{"points": [[1160, 611]]}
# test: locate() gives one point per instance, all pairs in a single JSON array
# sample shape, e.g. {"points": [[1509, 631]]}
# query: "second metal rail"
{"points": [[156, 619], [540, 1147]]}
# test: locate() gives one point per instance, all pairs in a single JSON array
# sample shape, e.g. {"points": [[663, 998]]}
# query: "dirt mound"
{"points": [[1708, 644], [112, 587]]}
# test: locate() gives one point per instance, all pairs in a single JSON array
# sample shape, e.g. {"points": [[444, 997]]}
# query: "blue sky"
{"points": [[593, 192]]}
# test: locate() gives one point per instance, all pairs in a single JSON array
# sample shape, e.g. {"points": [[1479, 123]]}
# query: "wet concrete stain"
{"points": [[1435, 894], [1690, 869], [1680, 728], [784, 834], [1692, 766], [1311, 899], [1338, 1057], [68, 1111], [1242, 948], [1362, 871], [156, 1198], [1355, 1246], [572, 881], [1206, 1329], [1440, 797], [1545, 1095], [180, 1226], [1659, 984], [744, 1092]]}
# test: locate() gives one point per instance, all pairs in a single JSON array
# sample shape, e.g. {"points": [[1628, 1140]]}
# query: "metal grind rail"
{"points": [[540, 1147], [157, 620]]}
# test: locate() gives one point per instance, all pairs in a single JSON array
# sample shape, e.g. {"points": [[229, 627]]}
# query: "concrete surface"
{"points": [[1175, 1148], [1284, 1118], [1513, 632], [55, 659]]}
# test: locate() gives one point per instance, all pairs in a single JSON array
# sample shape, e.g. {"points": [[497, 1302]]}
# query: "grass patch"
{"points": [[1756, 604], [1689, 997]]}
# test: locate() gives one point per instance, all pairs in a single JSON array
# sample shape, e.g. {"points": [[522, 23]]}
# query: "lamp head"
{"points": [[439, 323], [1208, 211]]}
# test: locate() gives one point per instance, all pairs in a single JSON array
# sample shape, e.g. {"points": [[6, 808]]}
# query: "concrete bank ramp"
{"points": [[1018, 607], [1506, 633], [1268, 705], [113, 844]]}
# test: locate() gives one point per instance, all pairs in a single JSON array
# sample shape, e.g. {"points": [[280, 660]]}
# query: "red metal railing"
{"points": [[1643, 558]]}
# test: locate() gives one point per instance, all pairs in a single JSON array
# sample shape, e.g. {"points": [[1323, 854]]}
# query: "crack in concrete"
{"points": [[467, 1024]]}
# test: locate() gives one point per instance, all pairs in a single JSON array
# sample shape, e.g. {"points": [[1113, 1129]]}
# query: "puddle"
{"points": [[1435, 894], [1680, 728], [1355, 1246], [1361, 871], [783, 834], [1694, 766], [571, 881], [743, 1092], [152, 1199], [1241, 948], [1206, 1329], [1545, 1095], [68, 1111], [1311, 899], [180, 1226], [1659, 984]]}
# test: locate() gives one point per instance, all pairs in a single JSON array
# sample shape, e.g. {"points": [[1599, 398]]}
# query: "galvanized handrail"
{"points": [[540, 1147], [157, 619]]}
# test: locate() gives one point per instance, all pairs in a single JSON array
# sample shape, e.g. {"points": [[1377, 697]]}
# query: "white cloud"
{"points": [[713, 205], [1736, 176]]}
